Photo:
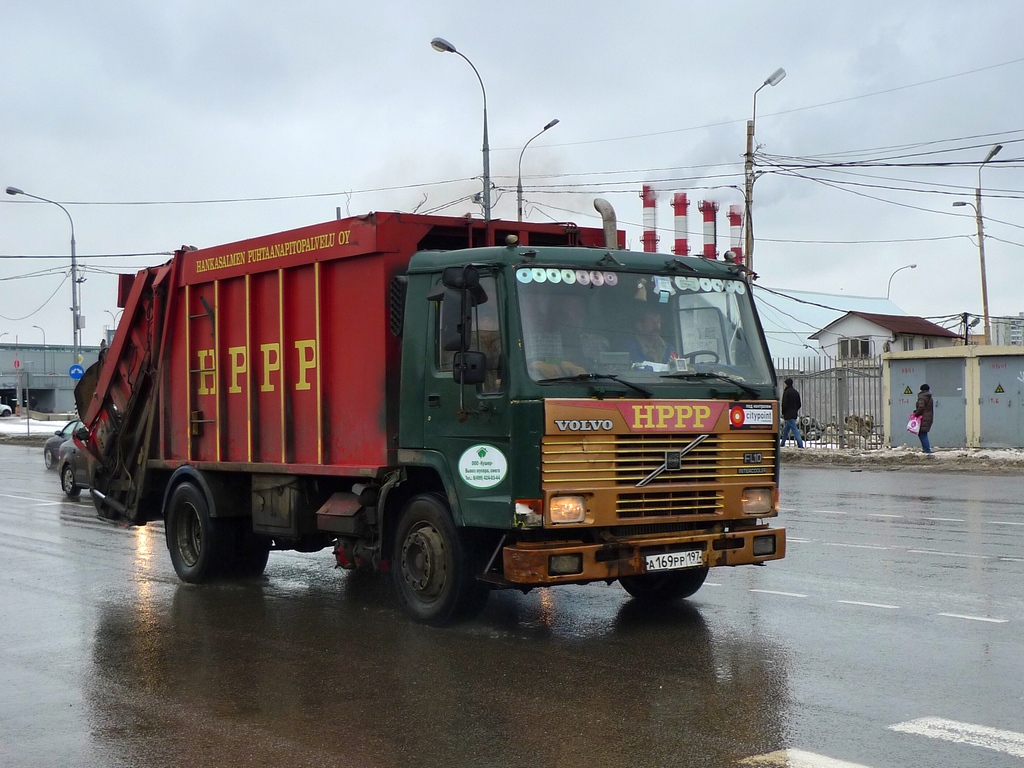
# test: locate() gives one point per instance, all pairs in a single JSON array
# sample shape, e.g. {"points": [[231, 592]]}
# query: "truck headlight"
{"points": [[567, 509], [757, 501]]}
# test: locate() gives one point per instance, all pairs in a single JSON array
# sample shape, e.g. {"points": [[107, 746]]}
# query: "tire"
{"points": [[433, 568], [195, 540], [48, 458], [67, 482], [665, 587]]}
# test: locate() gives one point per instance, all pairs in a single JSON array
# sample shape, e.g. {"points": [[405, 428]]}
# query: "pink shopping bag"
{"points": [[914, 425]]}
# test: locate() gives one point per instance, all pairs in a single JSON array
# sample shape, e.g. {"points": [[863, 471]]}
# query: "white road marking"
{"points": [[1007, 742], [879, 514], [40, 502], [830, 512], [973, 618], [868, 605], [773, 592], [797, 758], [946, 554], [792, 539], [1011, 559], [854, 546], [712, 584], [1002, 522], [944, 519]]}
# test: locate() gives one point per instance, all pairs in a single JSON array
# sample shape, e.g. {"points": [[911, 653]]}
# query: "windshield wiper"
{"points": [[712, 375], [597, 377]]}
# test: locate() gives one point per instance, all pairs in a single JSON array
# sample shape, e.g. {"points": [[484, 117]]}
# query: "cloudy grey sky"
{"points": [[207, 121]]}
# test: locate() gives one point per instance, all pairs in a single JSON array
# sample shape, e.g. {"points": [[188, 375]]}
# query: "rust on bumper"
{"points": [[526, 563]]}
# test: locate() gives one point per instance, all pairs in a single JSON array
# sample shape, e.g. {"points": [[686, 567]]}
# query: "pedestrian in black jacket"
{"points": [[925, 408], [790, 413]]}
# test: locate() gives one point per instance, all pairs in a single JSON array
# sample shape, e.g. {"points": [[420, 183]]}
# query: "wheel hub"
{"points": [[424, 562], [189, 536]]}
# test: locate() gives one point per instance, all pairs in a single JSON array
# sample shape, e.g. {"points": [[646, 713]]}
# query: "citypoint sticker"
{"points": [[482, 466], [748, 415]]}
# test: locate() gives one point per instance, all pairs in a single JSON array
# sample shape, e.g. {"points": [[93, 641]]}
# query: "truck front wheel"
{"points": [[433, 567], [193, 537], [664, 587]]}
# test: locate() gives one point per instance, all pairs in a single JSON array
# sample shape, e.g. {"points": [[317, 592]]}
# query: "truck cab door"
{"points": [[469, 423]]}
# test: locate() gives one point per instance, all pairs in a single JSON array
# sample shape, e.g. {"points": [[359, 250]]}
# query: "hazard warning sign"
{"points": [[907, 391], [999, 389]]}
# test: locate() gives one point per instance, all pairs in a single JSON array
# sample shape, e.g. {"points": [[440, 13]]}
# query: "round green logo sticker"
{"points": [[483, 466]]}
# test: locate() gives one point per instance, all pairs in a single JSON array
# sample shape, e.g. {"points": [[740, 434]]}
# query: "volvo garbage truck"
{"points": [[466, 405]]}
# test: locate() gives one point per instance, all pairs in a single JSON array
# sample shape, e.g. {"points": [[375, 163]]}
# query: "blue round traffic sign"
{"points": [[76, 371]]}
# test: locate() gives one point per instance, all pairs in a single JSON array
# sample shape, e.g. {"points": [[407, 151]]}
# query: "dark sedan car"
{"points": [[76, 467], [53, 444]]}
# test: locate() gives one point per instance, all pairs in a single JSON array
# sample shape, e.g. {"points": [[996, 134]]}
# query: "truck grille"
{"points": [[603, 461]]}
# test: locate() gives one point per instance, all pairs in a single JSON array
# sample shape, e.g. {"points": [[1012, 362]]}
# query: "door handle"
{"points": [[433, 401]]}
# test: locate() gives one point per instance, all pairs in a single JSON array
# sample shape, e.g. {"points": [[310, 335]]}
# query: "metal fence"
{"points": [[843, 404]]}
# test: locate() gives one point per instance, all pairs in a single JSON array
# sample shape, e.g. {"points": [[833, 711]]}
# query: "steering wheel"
{"points": [[692, 356]]}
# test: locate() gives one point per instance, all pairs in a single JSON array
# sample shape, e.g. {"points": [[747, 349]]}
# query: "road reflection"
{"points": [[257, 674]]}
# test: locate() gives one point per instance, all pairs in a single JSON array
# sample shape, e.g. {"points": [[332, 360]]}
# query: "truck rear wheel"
{"points": [[433, 567], [664, 587], [195, 539]]}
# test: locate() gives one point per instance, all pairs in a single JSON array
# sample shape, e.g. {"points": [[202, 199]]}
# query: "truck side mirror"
{"points": [[456, 320]]}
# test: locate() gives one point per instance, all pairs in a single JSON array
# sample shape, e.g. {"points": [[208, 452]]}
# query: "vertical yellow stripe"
{"points": [[218, 427], [319, 374], [250, 368], [280, 336], [188, 371]]}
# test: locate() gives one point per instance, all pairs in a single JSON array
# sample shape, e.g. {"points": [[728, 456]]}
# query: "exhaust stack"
{"points": [[611, 233]]}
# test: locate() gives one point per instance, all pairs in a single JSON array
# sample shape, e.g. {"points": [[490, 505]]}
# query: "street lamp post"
{"points": [[443, 46], [75, 307], [44, 345], [748, 173], [889, 286], [519, 178], [981, 239]]}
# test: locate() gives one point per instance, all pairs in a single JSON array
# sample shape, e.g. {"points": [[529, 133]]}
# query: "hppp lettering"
{"points": [[587, 425], [276, 251], [238, 364], [670, 416]]}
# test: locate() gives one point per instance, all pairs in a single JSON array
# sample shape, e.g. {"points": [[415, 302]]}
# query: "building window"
{"points": [[854, 348], [908, 343], [929, 343]]}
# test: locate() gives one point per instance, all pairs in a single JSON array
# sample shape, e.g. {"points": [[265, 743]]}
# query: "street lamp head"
{"points": [[775, 77], [15, 191], [441, 45], [992, 153], [552, 124], [959, 204]]}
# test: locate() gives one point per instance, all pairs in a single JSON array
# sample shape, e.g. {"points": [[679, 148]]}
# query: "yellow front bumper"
{"points": [[528, 563]]}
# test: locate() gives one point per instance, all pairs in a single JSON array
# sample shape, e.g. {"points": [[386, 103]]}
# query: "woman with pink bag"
{"points": [[925, 410]]}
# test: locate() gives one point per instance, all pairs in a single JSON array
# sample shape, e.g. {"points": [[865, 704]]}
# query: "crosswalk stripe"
{"points": [[796, 758], [1007, 742]]}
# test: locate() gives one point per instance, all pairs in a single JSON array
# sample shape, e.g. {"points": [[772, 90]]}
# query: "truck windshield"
{"points": [[638, 325]]}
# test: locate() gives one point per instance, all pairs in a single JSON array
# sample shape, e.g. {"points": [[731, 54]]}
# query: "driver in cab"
{"points": [[647, 345]]}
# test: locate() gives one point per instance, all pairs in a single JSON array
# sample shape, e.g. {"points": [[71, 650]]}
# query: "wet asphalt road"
{"points": [[901, 598]]}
